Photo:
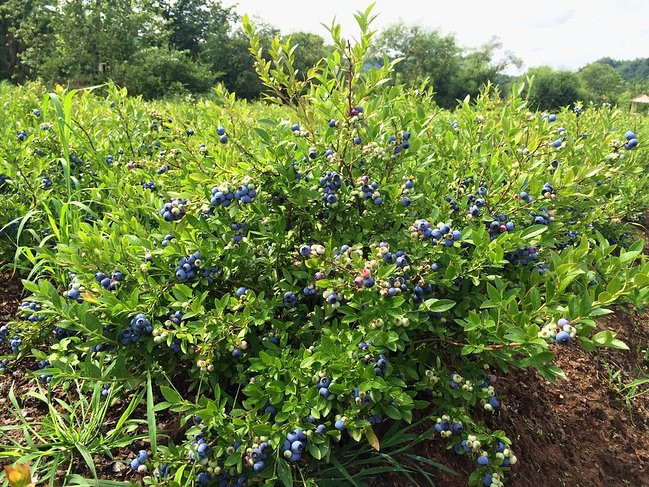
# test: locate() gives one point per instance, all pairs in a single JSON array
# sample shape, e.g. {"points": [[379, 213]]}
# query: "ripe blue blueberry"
{"points": [[563, 337], [483, 461]]}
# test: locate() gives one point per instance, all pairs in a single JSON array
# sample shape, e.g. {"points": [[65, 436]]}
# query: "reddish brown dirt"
{"points": [[578, 432]]}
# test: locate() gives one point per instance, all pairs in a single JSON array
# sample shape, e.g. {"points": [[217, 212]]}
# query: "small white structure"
{"points": [[639, 99]]}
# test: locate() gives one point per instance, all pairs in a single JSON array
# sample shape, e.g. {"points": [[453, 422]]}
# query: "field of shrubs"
{"points": [[300, 291]]}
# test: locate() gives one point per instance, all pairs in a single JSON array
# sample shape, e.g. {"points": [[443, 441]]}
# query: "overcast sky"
{"points": [[558, 33]]}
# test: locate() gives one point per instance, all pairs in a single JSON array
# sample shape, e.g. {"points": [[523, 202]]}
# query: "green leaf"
{"points": [[284, 473], [533, 231], [607, 339], [372, 439], [150, 415], [170, 395]]}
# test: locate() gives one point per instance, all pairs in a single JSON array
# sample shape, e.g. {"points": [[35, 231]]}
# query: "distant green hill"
{"points": [[636, 70]]}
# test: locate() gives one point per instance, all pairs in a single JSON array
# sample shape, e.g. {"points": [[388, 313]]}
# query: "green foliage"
{"points": [[453, 71], [157, 72], [440, 317], [548, 89], [636, 70], [73, 429], [601, 82]]}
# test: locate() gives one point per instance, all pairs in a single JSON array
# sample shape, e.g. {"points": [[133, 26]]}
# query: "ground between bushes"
{"points": [[579, 432]]}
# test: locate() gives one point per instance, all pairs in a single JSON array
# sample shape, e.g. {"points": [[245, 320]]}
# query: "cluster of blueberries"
{"points": [[259, 455], [223, 138], [110, 159], [108, 282], [175, 317], [562, 332], [523, 256], [105, 390], [542, 217], [405, 143], [294, 445], [494, 479], [188, 266], [332, 298], [420, 291], [22, 136], [474, 205], [15, 342], [547, 191], [224, 195], [162, 169], [330, 184], [445, 427], [396, 285], [323, 387], [210, 273], [239, 230], [102, 347], [442, 234], [500, 225], [370, 192], [74, 292], [47, 183], [139, 461], [310, 290], [631, 140], [59, 333], [454, 204], [140, 325], [289, 300], [167, 239], [150, 185], [174, 210], [406, 188], [381, 365], [31, 310], [4, 363], [524, 196], [199, 449], [43, 364], [361, 397], [224, 479], [4, 333], [400, 258]]}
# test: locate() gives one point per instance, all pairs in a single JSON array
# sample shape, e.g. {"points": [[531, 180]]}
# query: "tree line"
{"points": [[167, 47]]}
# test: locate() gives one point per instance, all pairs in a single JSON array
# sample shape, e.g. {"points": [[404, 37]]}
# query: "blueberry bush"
{"points": [[296, 276]]}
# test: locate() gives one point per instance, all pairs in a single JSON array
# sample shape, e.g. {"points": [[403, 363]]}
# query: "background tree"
{"points": [[548, 89], [310, 48], [601, 82], [453, 71]]}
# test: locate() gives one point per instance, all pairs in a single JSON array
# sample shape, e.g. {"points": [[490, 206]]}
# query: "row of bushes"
{"points": [[293, 278]]}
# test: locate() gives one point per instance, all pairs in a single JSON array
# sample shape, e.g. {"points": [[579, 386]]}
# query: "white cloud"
{"points": [[558, 33]]}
